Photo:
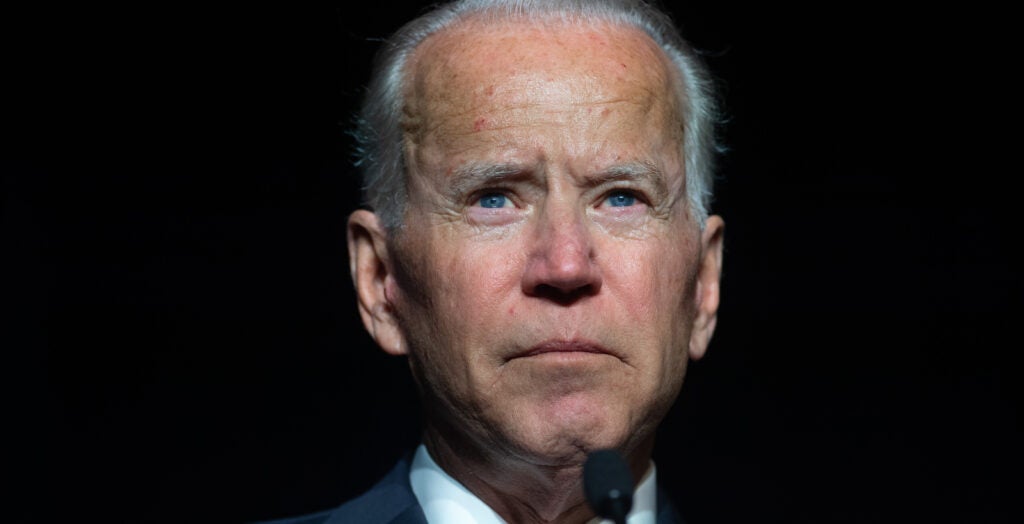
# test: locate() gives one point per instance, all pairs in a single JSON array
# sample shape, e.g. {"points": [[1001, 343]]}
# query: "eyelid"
{"points": [[475, 196], [637, 193]]}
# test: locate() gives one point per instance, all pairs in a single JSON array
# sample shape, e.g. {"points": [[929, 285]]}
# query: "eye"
{"points": [[493, 200], [621, 199]]}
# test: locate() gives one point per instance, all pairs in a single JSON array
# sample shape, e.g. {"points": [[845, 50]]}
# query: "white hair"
{"points": [[379, 134]]}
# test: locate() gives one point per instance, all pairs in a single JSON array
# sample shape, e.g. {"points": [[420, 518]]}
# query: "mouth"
{"points": [[565, 347]]}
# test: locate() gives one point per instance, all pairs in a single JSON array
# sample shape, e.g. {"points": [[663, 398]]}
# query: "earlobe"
{"points": [[373, 280], [708, 292]]}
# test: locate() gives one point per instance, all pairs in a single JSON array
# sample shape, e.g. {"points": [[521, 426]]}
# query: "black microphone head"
{"points": [[608, 484]]}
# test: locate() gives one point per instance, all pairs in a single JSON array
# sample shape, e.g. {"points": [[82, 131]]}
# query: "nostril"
{"points": [[561, 266], [564, 297]]}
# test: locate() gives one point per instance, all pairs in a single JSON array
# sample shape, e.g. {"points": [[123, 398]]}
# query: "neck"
{"points": [[518, 490]]}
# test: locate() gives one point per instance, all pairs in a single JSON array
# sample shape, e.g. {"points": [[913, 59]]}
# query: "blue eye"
{"points": [[493, 200], [620, 199]]}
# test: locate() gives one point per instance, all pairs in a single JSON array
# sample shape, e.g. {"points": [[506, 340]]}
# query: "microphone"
{"points": [[608, 485]]}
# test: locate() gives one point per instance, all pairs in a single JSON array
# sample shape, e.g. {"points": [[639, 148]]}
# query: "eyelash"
{"points": [[476, 199], [636, 195]]}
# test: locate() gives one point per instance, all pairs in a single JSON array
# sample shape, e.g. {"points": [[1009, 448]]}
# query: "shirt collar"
{"points": [[445, 500]]}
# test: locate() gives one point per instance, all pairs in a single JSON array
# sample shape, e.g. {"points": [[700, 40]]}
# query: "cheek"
{"points": [[488, 271], [654, 285], [472, 297], [648, 282], [483, 280], [645, 285]]}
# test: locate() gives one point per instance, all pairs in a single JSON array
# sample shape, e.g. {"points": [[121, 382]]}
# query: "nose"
{"points": [[561, 265]]}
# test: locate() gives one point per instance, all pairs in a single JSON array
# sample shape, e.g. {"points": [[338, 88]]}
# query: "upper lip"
{"points": [[564, 346]]}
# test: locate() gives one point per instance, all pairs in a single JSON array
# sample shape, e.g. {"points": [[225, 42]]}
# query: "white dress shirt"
{"points": [[446, 501]]}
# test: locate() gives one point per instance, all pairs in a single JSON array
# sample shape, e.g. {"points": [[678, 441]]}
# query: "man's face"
{"points": [[549, 282]]}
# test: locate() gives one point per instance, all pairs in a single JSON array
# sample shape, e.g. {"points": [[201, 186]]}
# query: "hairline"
{"points": [[690, 84]]}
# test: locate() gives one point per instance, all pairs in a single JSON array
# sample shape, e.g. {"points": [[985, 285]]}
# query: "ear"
{"points": [[708, 293], [374, 280]]}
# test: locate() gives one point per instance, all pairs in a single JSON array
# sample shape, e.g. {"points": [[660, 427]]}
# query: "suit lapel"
{"points": [[412, 515]]}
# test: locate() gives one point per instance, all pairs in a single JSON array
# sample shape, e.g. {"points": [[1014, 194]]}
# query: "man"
{"points": [[539, 248]]}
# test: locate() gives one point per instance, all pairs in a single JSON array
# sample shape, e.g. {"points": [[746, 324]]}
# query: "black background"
{"points": [[179, 330]]}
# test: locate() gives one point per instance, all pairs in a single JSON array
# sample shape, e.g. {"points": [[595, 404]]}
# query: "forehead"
{"points": [[514, 64]]}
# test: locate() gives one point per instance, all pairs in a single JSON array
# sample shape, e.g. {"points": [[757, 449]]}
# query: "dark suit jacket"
{"points": [[392, 501]]}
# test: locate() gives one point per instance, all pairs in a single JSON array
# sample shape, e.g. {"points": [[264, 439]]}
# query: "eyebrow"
{"points": [[639, 172], [469, 177]]}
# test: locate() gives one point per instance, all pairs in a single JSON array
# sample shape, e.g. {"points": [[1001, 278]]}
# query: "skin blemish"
{"points": [[479, 124], [489, 91], [623, 64], [512, 311]]}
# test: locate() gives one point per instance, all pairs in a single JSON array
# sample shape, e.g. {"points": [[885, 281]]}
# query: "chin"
{"points": [[566, 430]]}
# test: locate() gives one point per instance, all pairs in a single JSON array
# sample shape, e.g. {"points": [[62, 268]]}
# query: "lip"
{"points": [[565, 346]]}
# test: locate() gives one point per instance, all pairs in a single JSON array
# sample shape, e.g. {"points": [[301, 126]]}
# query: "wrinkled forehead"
{"points": [[514, 61]]}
